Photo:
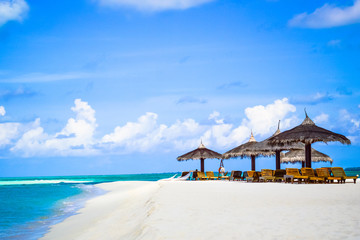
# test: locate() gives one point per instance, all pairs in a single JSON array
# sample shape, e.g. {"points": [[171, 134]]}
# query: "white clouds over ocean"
{"points": [[76, 138]]}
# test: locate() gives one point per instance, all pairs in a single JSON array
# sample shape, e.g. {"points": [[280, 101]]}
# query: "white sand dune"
{"points": [[216, 209]]}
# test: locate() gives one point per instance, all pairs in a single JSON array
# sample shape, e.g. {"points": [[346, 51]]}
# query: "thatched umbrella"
{"points": [[294, 156], [242, 151], [263, 148], [200, 153], [307, 132]]}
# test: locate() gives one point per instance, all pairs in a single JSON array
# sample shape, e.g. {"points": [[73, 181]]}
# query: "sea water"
{"points": [[29, 206]]}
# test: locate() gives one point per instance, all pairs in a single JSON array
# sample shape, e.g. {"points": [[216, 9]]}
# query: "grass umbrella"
{"points": [[307, 132], [298, 155], [264, 148], [243, 151], [200, 153]]}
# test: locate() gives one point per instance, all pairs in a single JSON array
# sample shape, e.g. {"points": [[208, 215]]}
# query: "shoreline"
{"points": [[213, 209]]}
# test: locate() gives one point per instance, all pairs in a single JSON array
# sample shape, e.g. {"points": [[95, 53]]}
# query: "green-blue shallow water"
{"points": [[29, 205]]}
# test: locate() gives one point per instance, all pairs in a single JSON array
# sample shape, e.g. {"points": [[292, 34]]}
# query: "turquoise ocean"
{"points": [[30, 205]]}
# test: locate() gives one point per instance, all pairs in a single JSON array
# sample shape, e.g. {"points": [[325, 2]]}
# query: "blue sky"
{"points": [[118, 86]]}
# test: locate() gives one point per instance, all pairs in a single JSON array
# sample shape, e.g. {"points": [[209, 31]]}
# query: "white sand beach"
{"points": [[216, 210]]}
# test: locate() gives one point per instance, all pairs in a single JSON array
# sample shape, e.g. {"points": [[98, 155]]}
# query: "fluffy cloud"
{"points": [[328, 16], [321, 118], [261, 119], [153, 5], [145, 134], [2, 111], [8, 133], [76, 138], [215, 116], [12, 10], [351, 121]]}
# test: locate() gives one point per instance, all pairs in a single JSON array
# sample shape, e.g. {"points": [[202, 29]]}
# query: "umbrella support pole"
{"points": [[308, 155], [277, 160], [202, 167], [253, 163]]}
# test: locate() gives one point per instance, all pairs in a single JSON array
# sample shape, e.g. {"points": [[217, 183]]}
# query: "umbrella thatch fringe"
{"points": [[299, 161], [245, 154], [283, 142], [302, 159], [308, 133], [200, 153]]}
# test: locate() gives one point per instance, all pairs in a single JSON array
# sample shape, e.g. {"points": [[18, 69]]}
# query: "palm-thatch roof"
{"points": [[200, 153], [297, 155], [308, 133], [243, 150], [264, 148]]}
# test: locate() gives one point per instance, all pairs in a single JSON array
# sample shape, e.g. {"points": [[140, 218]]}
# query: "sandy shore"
{"points": [[216, 209]]}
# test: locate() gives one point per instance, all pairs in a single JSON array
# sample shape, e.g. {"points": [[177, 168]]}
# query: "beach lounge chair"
{"points": [[235, 175], [294, 174], [211, 176], [201, 176], [253, 176], [339, 172], [225, 177], [245, 175], [267, 175], [309, 172], [324, 173], [183, 174], [279, 175]]}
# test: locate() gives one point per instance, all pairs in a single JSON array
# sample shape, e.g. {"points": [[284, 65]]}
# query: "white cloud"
{"points": [[76, 138], [328, 16], [12, 10], [262, 119], [146, 133], [355, 122], [143, 135], [321, 118], [153, 5], [215, 115], [352, 123], [45, 77], [8, 133], [2, 111]]}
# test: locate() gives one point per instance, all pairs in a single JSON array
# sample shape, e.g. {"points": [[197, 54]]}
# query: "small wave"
{"points": [[26, 182]]}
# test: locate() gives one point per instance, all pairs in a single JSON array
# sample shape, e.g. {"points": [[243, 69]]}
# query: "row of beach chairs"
{"points": [[305, 175]]}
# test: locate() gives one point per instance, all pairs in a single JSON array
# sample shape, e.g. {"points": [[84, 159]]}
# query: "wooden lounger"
{"points": [[267, 175], [294, 172], [201, 176], [339, 172], [279, 175], [309, 172], [324, 173], [253, 176], [211, 176]]}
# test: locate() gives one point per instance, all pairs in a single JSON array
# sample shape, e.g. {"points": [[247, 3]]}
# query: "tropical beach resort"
{"points": [[237, 205]]}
